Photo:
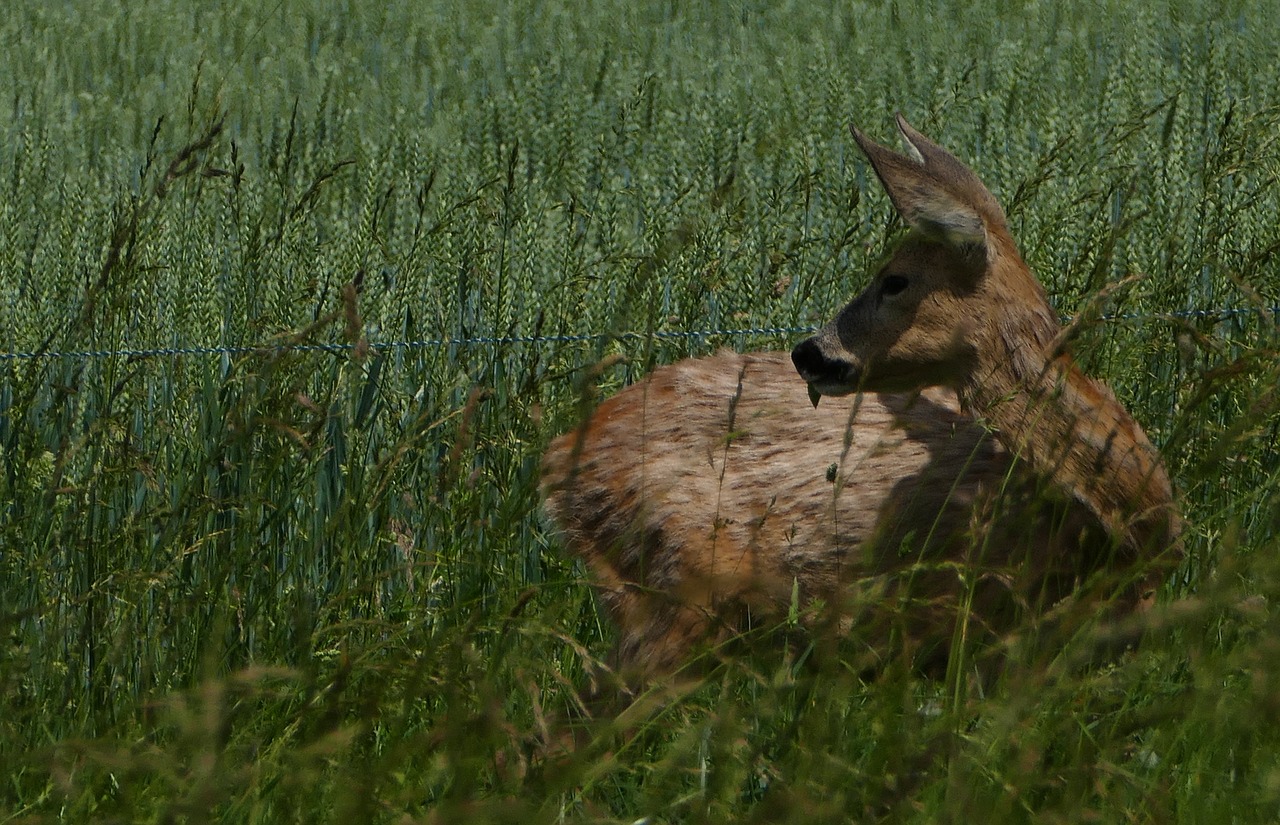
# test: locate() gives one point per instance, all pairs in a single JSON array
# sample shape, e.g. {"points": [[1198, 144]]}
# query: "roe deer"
{"points": [[710, 495]]}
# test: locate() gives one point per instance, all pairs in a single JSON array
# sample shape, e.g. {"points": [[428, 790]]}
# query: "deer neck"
{"points": [[1070, 430]]}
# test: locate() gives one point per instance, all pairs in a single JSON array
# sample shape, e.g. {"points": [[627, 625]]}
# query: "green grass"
{"points": [[313, 585]]}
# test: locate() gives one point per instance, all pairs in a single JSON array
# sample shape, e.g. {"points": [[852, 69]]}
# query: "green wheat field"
{"points": [[294, 294]]}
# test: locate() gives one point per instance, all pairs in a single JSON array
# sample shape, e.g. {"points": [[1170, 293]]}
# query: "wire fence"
{"points": [[1267, 313]]}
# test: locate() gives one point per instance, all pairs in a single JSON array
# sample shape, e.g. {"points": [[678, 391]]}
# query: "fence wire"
{"points": [[1268, 313]]}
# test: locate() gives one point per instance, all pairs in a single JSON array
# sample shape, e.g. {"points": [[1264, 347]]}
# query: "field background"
{"points": [[257, 585]]}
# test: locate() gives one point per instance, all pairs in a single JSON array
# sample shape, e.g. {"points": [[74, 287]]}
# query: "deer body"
{"points": [[706, 498], [702, 496]]}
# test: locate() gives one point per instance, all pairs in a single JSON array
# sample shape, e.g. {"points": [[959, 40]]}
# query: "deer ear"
{"points": [[940, 216], [930, 189]]}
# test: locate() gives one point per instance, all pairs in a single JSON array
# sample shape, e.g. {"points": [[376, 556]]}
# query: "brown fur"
{"points": [[706, 498]]}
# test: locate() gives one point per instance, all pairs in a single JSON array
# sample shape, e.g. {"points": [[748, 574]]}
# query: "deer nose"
{"points": [[812, 364]]}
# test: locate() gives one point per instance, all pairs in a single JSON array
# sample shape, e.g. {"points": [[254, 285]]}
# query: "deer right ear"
{"points": [[922, 199]]}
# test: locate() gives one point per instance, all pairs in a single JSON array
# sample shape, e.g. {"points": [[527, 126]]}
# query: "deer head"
{"points": [[951, 302]]}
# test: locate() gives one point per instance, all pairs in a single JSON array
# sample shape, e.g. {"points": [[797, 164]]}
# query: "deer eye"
{"points": [[892, 285]]}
